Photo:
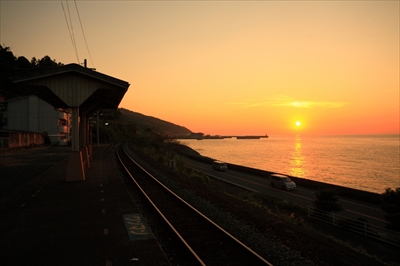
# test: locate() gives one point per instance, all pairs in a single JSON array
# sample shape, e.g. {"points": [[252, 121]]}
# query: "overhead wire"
{"points": [[83, 32], [72, 30], [71, 34]]}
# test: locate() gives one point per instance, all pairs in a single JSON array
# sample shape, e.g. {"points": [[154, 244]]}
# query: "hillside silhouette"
{"points": [[144, 122]]}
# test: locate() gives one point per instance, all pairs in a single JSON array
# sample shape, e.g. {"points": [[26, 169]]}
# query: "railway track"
{"points": [[199, 240]]}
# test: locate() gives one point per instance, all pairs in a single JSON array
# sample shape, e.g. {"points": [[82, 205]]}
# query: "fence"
{"points": [[359, 226], [15, 139]]}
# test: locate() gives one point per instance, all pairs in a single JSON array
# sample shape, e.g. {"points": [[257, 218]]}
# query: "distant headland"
{"points": [[201, 136]]}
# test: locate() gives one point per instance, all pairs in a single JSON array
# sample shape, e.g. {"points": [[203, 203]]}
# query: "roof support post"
{"points": [[75, 170], [98, 128], [83, 130], [75, 129]]}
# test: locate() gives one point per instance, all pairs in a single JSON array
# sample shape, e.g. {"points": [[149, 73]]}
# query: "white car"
{"points": [[220, 166], [282, 181]]}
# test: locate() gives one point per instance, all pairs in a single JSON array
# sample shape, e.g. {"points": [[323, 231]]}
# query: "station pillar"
{"points": [[75, 168]]}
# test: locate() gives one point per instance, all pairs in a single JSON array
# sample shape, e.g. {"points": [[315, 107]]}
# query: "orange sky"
{"points": [[230, 67]]}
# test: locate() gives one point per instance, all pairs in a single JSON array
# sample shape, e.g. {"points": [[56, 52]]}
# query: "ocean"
{"points": [[364, 162]]}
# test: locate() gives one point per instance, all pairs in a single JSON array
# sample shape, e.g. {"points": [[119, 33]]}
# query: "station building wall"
{"points": [[32, 114]]}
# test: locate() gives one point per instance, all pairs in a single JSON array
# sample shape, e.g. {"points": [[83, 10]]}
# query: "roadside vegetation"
{"points": [[391, 206], [167, 153], [327, 199]]}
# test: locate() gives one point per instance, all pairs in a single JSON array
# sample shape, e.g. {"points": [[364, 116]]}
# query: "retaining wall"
{"points": [[14, 139]]}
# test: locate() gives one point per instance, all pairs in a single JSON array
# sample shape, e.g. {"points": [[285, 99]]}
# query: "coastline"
{"points": [[365, 196]]}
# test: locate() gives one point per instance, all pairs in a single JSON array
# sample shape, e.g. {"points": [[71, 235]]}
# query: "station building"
{"points": [[30, 114], [60, 101]]}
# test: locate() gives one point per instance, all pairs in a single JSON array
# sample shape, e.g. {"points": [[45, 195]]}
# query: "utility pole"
{"points": [[98, 128]]}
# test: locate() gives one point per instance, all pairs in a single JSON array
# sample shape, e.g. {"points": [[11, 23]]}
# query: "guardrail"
{"points": [[356, 225]]}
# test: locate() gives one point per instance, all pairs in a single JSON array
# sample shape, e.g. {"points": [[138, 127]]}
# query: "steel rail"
{"points": [[188, 205], [155, 207]]}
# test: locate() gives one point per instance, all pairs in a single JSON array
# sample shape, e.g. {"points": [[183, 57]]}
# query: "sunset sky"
{"points": [[230, 67]]}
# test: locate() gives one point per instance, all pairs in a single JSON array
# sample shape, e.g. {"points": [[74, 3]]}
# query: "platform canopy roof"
{"points": [[73, 85]]}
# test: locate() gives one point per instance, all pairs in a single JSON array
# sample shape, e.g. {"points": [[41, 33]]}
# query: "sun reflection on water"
{"points": [[297, 159]]}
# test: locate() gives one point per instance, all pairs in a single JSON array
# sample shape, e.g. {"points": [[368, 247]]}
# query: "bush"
{"points": [[327, 200], [391, 206]]}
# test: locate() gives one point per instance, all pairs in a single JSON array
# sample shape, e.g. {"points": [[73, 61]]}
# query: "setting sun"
{"points": [[307, 80]]}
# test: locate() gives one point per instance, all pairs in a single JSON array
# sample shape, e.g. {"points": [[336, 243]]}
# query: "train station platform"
{"points": [[93, 222]]}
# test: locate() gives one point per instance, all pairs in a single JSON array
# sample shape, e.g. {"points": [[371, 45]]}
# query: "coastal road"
{"points": [[302, 196]]}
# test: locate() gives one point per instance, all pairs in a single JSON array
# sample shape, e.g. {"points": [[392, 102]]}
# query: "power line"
{"points": [[70, 32], [80, 22], [73, 34]]}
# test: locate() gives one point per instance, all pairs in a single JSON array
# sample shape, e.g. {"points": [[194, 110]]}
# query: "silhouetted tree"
{"points": [[8, 65], [327, 200], [7, 57], [45, 62], [8, 68], [391, 206], [34, 61], [110, 114], [23, 63]]}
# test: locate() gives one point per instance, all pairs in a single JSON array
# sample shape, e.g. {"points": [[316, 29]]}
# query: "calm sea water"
{"points": [[366, 162]]}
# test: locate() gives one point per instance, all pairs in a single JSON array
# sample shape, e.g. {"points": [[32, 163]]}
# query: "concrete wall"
{"points": [[35, 115], [10, 139], [17, 118]]}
